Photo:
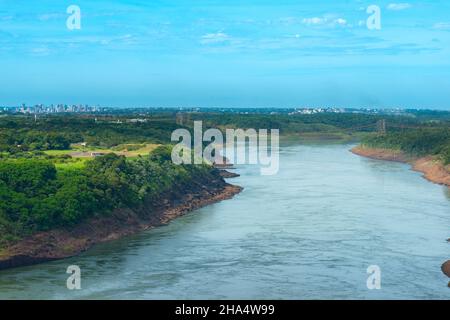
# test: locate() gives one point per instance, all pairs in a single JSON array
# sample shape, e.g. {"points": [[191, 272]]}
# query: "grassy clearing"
{"points": [[57, 152], [128, 150], [143, 150], [76, 164]]}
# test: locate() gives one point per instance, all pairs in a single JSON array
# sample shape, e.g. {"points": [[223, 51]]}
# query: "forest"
{"points": [[42, 186], [35, 196], [415, 142], [57, 132]]}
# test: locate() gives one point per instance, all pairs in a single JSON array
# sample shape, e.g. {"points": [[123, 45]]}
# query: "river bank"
{"points": [[64, 243], [432, 169]]}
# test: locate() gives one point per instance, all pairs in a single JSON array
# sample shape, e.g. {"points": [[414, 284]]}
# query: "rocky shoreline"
{"points": [[446, 269], [432, 169], [228, 175], [64, 243]]}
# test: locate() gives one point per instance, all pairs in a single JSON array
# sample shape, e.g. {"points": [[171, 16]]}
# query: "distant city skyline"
{"points": [[41, 109], [249, 53]]}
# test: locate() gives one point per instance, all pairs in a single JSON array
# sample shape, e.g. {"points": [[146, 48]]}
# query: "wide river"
{"points": [[309, 232]]}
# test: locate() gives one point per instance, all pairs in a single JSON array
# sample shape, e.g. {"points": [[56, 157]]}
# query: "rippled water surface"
{"points": [[309, 232]]}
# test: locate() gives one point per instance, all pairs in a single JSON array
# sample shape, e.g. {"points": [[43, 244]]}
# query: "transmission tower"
{"points": [[179, 118], [381, 126]]}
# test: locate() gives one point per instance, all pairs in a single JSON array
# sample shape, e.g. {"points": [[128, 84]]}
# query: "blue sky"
{"points": [[226, 53]]}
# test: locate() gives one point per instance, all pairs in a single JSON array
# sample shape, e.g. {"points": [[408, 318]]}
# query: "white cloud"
{"points": [[40, 51], [341, 21], [128, 39], [294, 36], [49, 16], [6, 18], [325, 21], [442, 26], [217, 37], [314, 21], [398, 6], [289, 20]]}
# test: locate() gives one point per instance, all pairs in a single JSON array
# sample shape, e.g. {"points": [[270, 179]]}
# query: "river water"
{"points": [[309, 232]]}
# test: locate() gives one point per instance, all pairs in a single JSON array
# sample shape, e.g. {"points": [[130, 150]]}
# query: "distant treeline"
{"points": [[297, 123], [57, 132], [20, 133]]}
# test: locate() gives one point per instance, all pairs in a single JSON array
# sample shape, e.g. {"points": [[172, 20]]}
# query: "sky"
{"points": [[229, 53]]}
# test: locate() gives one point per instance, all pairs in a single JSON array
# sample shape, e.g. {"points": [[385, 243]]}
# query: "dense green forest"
{"points": [[417, 142], [320, 122], [35, 196], [21, 133]]}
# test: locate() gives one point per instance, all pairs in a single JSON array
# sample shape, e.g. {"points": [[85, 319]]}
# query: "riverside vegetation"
{"points": [[415, 142], [35, 196], [42, 186]]}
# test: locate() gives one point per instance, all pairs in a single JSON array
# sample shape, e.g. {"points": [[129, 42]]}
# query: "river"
{"points": [[309, 232]]}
